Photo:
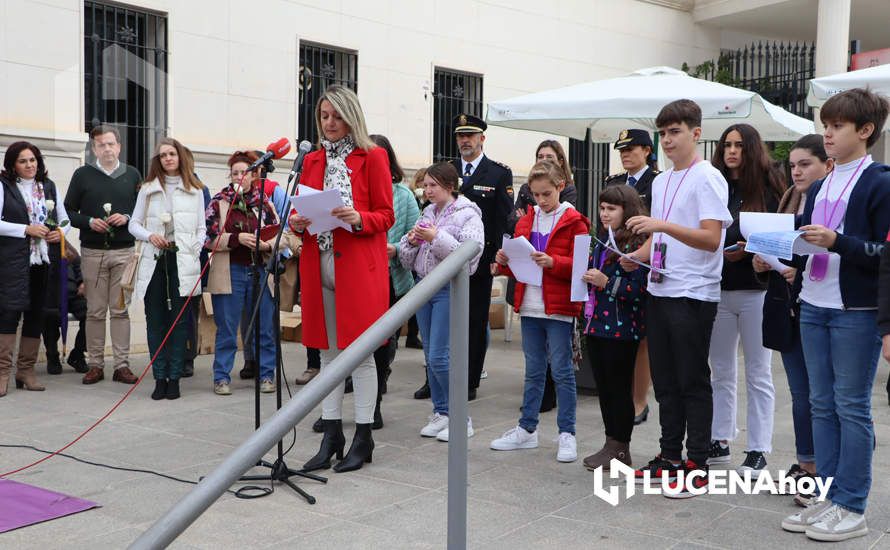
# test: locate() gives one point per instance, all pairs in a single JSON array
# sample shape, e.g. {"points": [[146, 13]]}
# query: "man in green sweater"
{"points": [[99, 202]]}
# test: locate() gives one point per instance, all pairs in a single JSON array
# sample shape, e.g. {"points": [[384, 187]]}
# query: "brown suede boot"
{"points": [[7, 343], [612, 449], [24, 374]]}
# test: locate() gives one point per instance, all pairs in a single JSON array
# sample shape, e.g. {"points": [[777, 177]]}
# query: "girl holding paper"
{"points": [[547, 311], [754, 186], [615, 325], [781, 309]]}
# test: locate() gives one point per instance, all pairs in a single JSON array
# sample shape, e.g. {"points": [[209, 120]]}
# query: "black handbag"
{"points": [[780, 315]]}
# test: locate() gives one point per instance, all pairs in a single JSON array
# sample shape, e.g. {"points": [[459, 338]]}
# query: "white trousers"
{"points": [[364, 377], [740, 313]]}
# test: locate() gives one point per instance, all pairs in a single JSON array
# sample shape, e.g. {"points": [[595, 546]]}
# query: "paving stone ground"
{"points": [[521, 499]]}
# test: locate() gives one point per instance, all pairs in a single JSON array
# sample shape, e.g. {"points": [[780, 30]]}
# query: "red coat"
{"points": [[361, 266], [557, 281]]}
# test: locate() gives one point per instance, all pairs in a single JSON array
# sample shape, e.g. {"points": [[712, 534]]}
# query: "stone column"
{"points": [[832, 42]]}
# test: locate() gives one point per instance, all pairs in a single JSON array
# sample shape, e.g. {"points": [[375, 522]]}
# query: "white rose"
{"points": [[166, 218], [50, 204], [107, 208]]}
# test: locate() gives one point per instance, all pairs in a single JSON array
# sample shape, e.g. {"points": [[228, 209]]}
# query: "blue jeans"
{"points": [[227, 310], [799, 385], [543, 341], [433, 321], [841, 349]]}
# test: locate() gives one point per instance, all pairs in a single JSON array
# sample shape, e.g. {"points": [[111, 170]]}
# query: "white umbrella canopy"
{"points": [[633, 101], [875, 78]]}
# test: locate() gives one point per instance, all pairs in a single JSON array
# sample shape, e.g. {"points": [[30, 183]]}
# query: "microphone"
{"points": [[275, 150], [302, 150]]}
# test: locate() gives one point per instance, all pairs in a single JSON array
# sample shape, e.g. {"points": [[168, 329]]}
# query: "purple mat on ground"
{"points": [[22, 505]]}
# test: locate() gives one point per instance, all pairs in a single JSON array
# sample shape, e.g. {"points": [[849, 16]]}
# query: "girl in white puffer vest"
{"points": [[169, 218]]}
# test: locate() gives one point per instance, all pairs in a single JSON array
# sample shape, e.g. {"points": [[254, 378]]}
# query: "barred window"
{"points": [[320, 67], [454, 92], [125, 77]]}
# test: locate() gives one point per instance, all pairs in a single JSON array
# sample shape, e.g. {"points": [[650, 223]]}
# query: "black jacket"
{"points": [[740, 275], [16, 251], [861, 245], [643, 185], [490, 187]]}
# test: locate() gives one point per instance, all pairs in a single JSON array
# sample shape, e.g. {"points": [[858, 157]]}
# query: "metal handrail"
{"points": [[451, 270]]}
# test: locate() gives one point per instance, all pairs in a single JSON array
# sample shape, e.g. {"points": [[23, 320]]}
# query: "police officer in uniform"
{"points": [[490, 185], [639, 167]]}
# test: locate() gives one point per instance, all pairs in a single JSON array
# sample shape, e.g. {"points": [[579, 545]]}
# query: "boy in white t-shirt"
{"points": [[687, 227]]}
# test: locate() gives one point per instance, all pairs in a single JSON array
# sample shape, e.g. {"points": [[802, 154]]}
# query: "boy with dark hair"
{"points": [[687, 227], [839, 319]]}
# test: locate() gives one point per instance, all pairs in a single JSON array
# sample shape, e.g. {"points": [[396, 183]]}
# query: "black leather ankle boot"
{"points": [[332, 443], [160, 389], [359, 452]]}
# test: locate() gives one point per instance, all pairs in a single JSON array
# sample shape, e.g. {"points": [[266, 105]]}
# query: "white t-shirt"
{"points": [[827, 292], [703, 195]]}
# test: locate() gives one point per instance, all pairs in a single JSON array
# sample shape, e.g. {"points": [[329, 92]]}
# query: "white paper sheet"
{"points": [[611, 245], [317, 205], [519, 252], [764, 222], [782, 244], [580, 259]]}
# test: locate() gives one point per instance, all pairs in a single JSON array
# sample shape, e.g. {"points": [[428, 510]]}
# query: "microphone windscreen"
{"points": [[305, 146], [279, 148]]}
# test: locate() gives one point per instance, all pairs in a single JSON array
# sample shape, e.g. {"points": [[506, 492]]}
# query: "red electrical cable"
{"points": [[145, 371]]}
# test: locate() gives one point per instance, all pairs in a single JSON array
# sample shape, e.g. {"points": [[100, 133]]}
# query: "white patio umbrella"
{"points": [[633, 101], [876, 78]]}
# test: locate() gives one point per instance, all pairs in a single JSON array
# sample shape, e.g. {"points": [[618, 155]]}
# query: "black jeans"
{"points": [[480, 302], [613, 369], [679, 332], [32, 325]]}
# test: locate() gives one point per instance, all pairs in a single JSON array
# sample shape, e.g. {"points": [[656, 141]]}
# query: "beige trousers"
{"points": [[102, 270]]}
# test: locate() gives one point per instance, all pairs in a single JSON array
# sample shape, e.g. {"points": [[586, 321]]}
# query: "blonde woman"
{"points": [[344, 274], [169, 219]]}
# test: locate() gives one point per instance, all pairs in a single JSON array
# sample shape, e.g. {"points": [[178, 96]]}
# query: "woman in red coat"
{"points": [[345, 274]]}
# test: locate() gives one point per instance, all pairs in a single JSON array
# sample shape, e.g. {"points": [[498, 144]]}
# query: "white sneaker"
{"points": [[437, 423], [798, 523], [836, 524], [443, 435], [514, 439], [568, 448], [483, 375]]}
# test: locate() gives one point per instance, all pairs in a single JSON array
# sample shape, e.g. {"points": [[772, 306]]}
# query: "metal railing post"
{"points": [[459, 313], [190, 507]]}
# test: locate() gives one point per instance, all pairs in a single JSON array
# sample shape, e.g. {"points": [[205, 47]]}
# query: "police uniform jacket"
{"points": [[643, 186], [490, 187]]}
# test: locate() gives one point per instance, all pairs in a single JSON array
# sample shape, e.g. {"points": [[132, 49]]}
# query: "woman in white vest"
{"points": [[169, 220]]}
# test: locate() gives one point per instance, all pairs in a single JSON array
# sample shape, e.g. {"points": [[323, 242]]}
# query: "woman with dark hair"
{"points": [[344, 274], [31, 216], [169, 219], [447, 222], [754, 186], [401, 280], [231, 277]]}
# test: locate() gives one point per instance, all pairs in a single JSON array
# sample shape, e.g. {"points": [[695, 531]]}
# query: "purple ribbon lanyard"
{"points": [[819, 265]]}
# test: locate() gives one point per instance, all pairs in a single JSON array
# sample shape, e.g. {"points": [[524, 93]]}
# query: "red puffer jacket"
{"points": [[557, 281]]}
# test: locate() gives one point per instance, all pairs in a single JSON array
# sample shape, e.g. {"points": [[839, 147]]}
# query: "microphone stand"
{"points": [[279, 471]]}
